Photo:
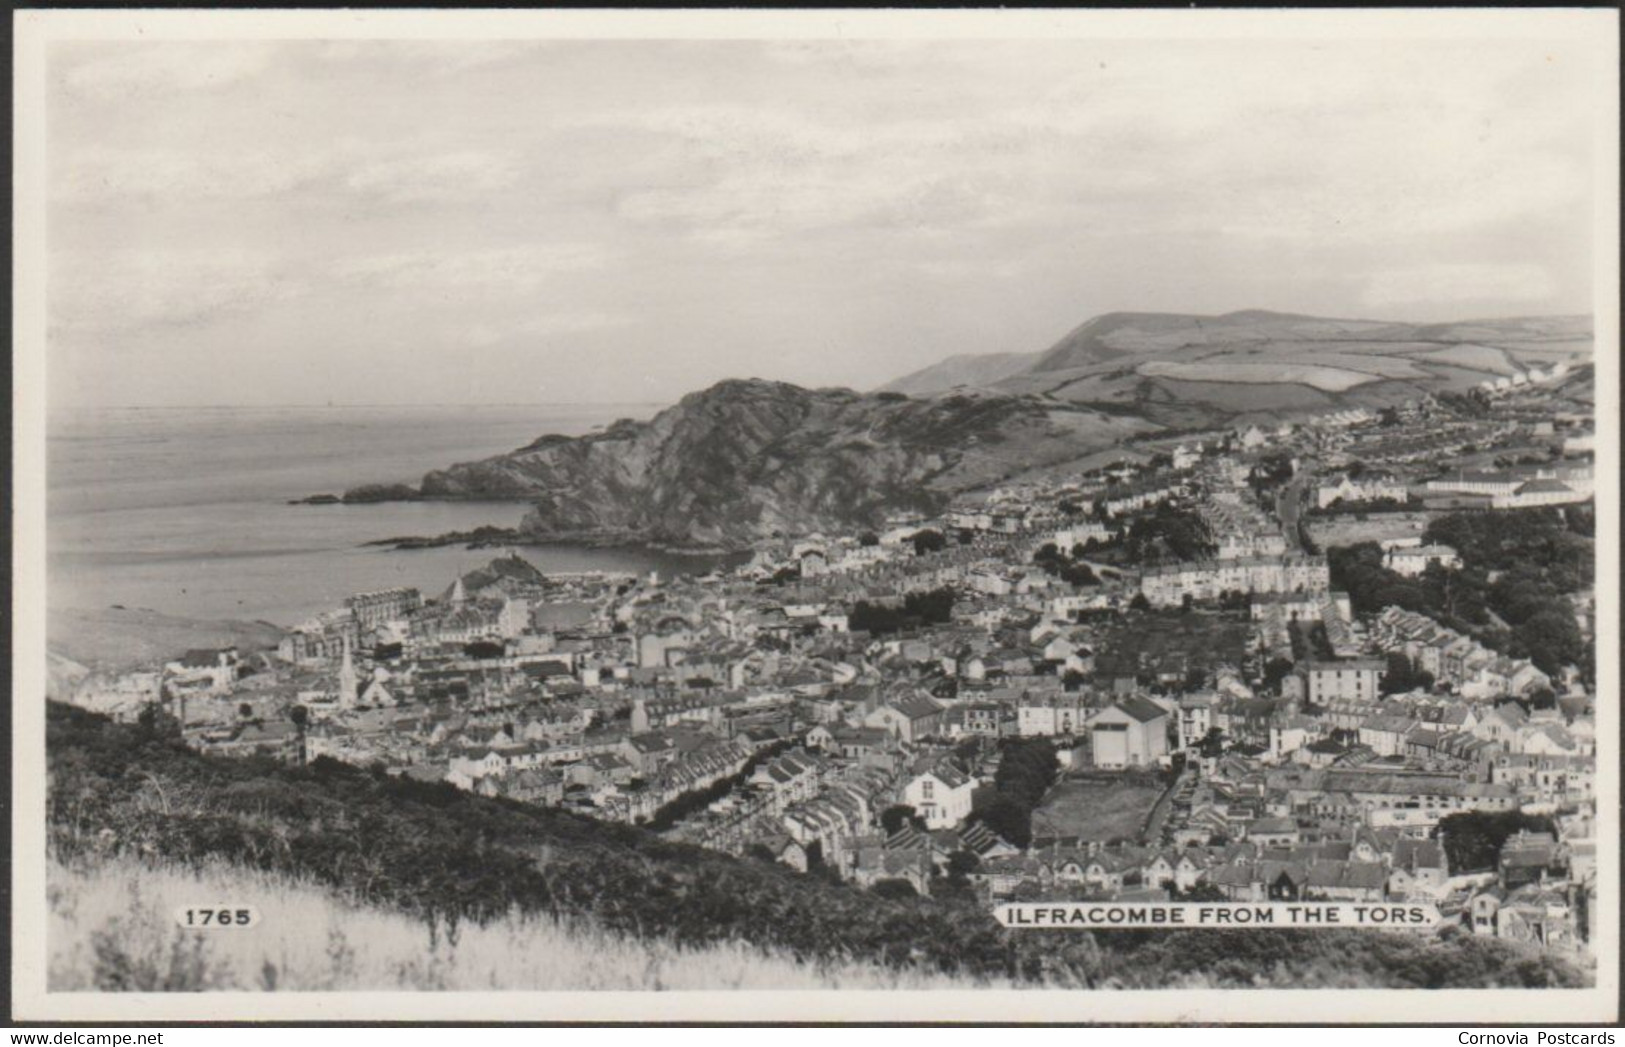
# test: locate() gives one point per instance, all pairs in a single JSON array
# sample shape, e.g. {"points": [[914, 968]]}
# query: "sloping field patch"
{"points": [[1101, 807], [1385, 393], [1113, 386], [1239, 397], [1452, 378], [1548, 352], [1380, 366], [1244, 370], [1474, 358]]}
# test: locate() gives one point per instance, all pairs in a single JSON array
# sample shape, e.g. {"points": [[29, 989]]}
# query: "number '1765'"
{"points": [[217, 916]]}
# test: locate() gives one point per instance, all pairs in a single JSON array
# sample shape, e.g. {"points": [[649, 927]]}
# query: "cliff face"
{"points": [[746, 460]]}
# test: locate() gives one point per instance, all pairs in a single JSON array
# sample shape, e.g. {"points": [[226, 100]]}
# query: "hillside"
{"points": [[968, 371], [1186, 370], [747, 460], [454, 864], [118, 638], [112, 928]]}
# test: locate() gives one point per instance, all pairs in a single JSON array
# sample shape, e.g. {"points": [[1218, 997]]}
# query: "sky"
{"points": [[304, 222]]}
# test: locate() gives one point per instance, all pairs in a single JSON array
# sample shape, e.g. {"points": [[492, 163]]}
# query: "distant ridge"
{"points": [[749, 460], [1187, 369]]}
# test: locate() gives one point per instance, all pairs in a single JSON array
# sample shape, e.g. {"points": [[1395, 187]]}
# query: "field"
{"points": [[118, 638], [1097, 806], [1473, 357], [1172, 642], [1247, 371], [112, 927]]}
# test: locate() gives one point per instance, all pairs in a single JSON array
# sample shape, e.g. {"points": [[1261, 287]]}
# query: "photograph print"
{"points": [[879, 511]]}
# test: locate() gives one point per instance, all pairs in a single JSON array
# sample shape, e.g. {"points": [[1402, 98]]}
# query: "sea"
{"points": [[185, 511]]}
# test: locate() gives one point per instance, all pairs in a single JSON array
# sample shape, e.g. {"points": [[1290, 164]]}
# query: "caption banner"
{"points": [[1181, 915]]}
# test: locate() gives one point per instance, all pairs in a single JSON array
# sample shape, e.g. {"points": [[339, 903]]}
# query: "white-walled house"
{"points": [[942, 796]]}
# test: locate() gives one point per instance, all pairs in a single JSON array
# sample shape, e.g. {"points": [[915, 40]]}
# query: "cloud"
{"points": [[348, 173], [112, 73], [444, 178], [495, 270], [1464, 282], [96, 174], [485, 335], [128, 291]]}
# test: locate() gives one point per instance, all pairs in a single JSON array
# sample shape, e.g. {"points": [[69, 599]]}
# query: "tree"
{"points": [[300, 716], [1472, 839], [961, 864], [245, 711], [893, 818], [896, 890], [929, 541], [1550, 639], [1541, 698], [1403, 675], [1212, 744], [868, 538], [1139, 603], [154, 722], [1276, 670], [1007, 817]]}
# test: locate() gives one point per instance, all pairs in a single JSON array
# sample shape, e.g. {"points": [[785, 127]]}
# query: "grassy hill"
{"points": [[968, 371], [1180, 370], [464, 868]]}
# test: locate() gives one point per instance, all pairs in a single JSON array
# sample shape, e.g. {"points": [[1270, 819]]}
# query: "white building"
{"points": [[942, 796]]}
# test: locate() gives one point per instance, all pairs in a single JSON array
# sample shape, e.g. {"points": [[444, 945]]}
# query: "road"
{"points": [[1289, 503], [1151, 832]]}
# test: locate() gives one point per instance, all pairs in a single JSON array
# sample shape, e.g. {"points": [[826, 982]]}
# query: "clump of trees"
{"points": [[1403, 676], [1027, 769], [919, 609], [1472, 839], [1059, 565], [929, 541], [1167, 534]]}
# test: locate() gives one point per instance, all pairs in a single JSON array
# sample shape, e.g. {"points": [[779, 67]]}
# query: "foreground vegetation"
{"points": [[461, 867], [112, 928]]}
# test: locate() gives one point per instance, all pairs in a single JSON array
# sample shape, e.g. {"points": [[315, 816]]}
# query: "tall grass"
{"points": [[112, 927]]}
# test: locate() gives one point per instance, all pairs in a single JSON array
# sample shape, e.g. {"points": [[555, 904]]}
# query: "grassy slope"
{"points": [[441, 857], [122, 638], [1096, 809], [112, 927], [1117, 358]]}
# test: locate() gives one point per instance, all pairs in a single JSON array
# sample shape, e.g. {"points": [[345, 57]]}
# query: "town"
{"points": [[1349, 658]]}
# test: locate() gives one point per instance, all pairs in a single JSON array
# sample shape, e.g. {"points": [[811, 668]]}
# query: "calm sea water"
{"points": [[185, 511]]}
